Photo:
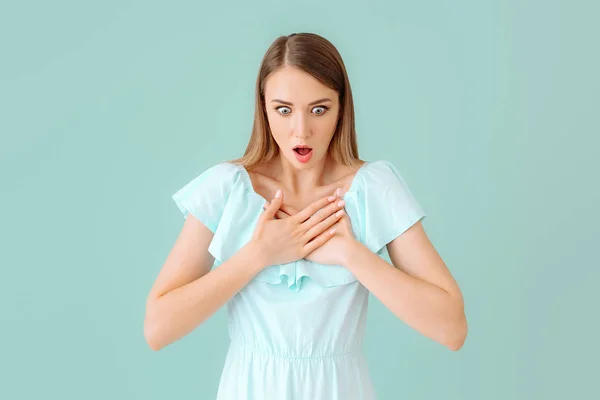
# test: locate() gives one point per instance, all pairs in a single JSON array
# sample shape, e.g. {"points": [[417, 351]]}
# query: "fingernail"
{"points": [[340, 212], [341, 203], [278, 193], [331, 198], [338, 192]]}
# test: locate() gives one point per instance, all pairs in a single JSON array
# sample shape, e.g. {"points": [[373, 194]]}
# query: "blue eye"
{"points": [[278, 108], [324, 108]]}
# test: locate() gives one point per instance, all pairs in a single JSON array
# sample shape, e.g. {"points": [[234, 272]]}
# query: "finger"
{"points": [[322, 214], [318, 241], [280, 213], [274, 206], [337, 193], [289, 210], [323, 225], [313, 208]]}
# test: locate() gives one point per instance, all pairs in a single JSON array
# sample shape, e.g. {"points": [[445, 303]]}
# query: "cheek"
{"points": [[279, 132], [278, 125]]}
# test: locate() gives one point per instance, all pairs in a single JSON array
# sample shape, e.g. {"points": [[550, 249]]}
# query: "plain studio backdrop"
{"points": [[489, 109]]}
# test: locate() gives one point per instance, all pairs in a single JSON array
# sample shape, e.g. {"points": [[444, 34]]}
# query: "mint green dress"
{"points": [[296, 330]]}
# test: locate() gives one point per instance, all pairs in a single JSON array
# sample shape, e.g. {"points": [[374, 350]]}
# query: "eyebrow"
{"points": [[291, 104]]}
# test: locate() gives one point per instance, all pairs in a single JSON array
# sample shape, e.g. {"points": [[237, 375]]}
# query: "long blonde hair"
{"points": [[318, 57]]}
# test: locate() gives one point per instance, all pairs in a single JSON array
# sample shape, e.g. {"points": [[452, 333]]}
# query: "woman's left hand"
{"points": [[333, 251]]}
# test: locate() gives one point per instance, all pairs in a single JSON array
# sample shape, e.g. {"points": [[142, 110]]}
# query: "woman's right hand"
{"points": [[281, 241]]}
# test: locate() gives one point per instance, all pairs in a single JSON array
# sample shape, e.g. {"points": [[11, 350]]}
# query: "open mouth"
{"points": [[302, 150]]}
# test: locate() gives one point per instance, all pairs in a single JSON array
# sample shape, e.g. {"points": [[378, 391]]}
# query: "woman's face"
{"points": [[301, 111]]}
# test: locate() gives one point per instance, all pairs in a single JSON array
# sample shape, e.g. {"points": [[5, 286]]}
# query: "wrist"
{"points": [[255, 253], [350, 251]]}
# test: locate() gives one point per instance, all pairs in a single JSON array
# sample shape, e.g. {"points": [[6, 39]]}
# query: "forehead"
{"points": [[292, 84]]}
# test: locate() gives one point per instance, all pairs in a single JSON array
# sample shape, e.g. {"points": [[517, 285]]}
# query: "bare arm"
{"points": [[186, 292], [420, 289]]}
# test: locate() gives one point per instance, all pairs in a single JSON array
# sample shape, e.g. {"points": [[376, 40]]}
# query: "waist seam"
{"points": [[269, 353]]}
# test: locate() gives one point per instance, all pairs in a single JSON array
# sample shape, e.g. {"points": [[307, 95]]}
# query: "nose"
{"points": [[300, 126]]}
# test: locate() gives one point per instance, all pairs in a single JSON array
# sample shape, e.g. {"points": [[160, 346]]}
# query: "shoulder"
{"points": [[223, 169], [206, 195], [215, 181], [381, 186], [374, 174], [220, 174], [386, 204]]}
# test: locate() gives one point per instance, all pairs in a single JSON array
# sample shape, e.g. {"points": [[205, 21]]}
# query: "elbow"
{"points": [[150, 340], [151, 335], [152, 331], [456, 341], [456, 345], [153, 344]]}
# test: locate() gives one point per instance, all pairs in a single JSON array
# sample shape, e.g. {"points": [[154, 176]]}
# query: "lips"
{"points": [[303, 153], [302, 149]]}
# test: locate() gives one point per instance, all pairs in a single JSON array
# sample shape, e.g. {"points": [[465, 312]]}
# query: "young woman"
{"points": [[291, 237]]}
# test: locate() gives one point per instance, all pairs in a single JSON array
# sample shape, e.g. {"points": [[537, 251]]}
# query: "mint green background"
{"points": [[489, 110]]}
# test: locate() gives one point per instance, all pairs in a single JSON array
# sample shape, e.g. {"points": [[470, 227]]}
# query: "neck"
{"points": [[298, 181]]}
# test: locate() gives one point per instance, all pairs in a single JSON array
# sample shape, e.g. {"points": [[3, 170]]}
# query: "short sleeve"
{"points": [[206, 195], [390, 206]]}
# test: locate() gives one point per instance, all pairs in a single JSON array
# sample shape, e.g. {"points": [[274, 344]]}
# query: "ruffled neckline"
{"points": [[250, 187], [293, 273]]}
